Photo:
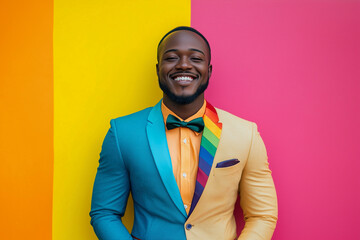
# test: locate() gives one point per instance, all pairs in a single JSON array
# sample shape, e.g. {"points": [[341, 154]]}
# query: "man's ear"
{"points": [[210, 70], [157, 69]]}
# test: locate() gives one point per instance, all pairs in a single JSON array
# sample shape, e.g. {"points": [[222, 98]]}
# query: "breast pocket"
{"points": [[227, 163], [228, 167]]}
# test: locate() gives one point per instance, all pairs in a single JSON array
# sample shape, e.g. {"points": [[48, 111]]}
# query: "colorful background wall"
{"points": [[68, 66]]}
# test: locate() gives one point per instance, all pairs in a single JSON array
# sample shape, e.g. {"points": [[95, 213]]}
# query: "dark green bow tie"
{"points": [[196, 124]]}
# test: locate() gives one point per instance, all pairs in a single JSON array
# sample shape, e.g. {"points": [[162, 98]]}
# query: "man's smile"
{"points": [[183, 79]]}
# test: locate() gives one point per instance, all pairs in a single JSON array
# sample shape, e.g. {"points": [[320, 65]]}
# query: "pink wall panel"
{"points": [[293, 67]]}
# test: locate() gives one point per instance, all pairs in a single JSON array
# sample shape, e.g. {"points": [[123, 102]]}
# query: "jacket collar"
{"points": [[160, 151]]}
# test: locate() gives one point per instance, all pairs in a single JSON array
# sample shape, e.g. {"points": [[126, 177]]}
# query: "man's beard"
{"points": [[183, 100]]}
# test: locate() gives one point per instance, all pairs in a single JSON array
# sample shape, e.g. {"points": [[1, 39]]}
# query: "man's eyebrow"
{"points": [[197, 50], [170, 50], [191, 49]]}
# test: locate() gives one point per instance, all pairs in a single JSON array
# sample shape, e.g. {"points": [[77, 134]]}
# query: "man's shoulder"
{"points": [[229, 118], [134, 118], [236, 129]]}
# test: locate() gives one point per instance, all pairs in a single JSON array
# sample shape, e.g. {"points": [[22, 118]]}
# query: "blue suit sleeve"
{"points": [[111, 191]]}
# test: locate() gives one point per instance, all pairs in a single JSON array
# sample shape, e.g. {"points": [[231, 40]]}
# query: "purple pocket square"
{"points": [[227, 163]]}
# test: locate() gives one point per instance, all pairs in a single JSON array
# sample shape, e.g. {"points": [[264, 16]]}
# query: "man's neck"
{"points": [[184, 110]]}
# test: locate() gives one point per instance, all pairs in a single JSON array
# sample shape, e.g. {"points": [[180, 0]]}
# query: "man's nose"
{"points": [[184, 63]]}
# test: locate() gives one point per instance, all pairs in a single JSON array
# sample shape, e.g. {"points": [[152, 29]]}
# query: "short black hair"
{"points": [[186, 29]]}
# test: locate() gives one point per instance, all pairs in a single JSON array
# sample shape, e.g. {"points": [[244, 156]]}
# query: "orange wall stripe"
{"points": [[26, 119]]}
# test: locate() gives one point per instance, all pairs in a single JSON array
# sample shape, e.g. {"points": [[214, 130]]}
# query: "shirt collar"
{"points": [[166, 111]]}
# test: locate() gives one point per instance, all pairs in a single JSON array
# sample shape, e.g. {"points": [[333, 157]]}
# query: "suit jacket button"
{"points": [[188, 226]]}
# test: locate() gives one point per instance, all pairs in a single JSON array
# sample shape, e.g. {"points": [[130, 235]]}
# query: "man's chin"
{"points": [[180, 99], [183, 100]]}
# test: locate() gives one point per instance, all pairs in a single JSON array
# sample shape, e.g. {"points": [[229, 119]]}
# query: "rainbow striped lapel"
{"points": [[209, 143]]}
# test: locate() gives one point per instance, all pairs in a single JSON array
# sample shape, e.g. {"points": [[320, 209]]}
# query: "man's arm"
{"points": [[111, 191], [257, 193]]}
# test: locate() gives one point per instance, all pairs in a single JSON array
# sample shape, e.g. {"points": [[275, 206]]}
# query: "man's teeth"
{"points": [[183, 78]]}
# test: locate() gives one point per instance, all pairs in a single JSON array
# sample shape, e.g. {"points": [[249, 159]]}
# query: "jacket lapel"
{"points": [[209, 143], [158, 144]]}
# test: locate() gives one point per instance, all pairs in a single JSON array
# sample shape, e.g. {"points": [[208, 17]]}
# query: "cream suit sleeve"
{"points": [[257, 193]]}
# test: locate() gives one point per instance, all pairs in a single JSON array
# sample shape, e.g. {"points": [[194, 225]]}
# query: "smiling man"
{"points": [[184, 161]]}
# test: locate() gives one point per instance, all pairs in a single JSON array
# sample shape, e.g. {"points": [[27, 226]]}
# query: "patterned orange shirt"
{"points": [[184, 147]]}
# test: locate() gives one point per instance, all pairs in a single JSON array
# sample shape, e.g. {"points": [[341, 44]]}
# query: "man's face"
{"points": [[183, 69]]}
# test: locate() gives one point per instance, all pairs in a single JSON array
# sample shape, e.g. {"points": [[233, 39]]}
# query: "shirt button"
{"points": [[188, 226], [184, 175], [184, 140], [185, 206]]}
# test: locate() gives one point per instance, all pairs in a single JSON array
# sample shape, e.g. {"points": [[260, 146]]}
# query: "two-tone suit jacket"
{"points": [[135, 158]]}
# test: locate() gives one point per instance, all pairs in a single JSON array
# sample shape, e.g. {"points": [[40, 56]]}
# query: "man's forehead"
{"points": [[184, 38]]}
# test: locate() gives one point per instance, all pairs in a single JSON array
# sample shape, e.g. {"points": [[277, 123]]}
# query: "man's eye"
{"points": [[170, 58], [195, 59]]}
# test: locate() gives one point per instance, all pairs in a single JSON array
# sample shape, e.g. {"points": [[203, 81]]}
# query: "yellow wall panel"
{"points": [[104, 67]]}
